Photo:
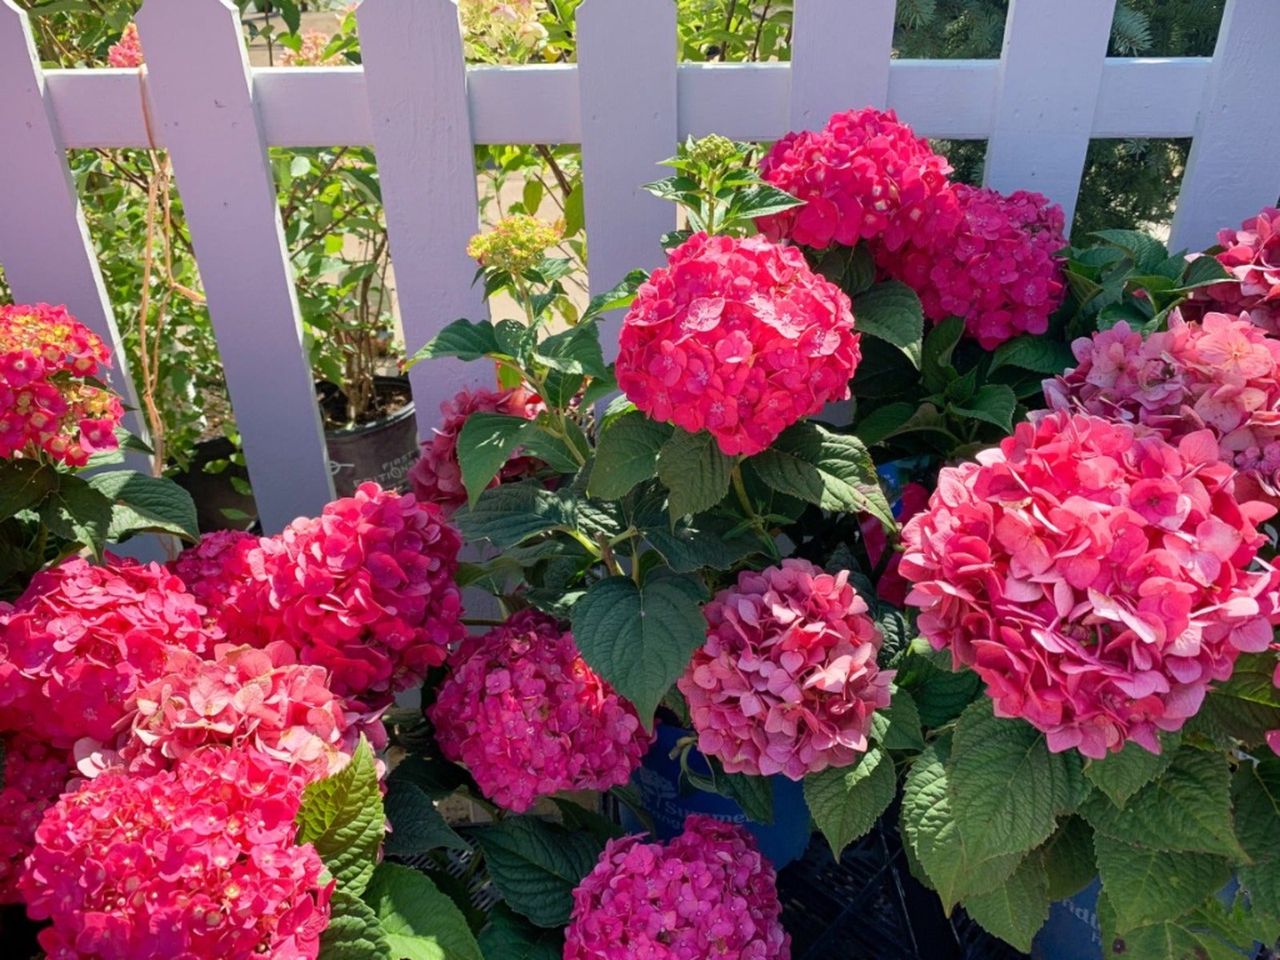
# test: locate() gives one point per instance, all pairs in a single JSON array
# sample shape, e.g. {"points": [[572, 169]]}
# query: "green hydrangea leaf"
{"points": [[354, 932], [890, 311], [536, 865], [846, 803], [511, 937], [1255, 792], [695, 472], [416, 825], [1148, 886], [462, 339], [626, 455], [143, 504], [1017, 909], [1068, 858], [1121, 775], [342, 817], [419, 922], [1196, 936]]}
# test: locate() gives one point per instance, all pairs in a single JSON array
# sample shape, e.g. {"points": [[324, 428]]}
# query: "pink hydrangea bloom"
{"points": [[738, 337], [1221, 374], [437, 477], [365, 590], [707, 894], [83, 638], [218, 574], [997, 270], [1097, 579], [200, 861], [35, 775], [787, 680], [864, 176], [1251, 255], [529, 718], [262, 700], [126, 53]]}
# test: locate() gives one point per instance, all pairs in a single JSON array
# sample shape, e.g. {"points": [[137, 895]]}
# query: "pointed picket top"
{"points": [[203, 108], [416, 84], [840, 54]]}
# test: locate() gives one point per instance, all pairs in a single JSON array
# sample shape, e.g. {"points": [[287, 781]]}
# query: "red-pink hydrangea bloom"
{"points": [[529, 718], [126, 53], [709, 893], [1251, 255], [200, 861], [83, 638], [864, 176], [737, 337], [437, 477], [48, 406], [997, 270], [35, 775], [365, 590], [1221, 374], [1097, 579], [787, 680], [217, 572]]}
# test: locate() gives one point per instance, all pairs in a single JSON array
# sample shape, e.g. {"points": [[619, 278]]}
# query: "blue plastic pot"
{"points": [[668, 802]]}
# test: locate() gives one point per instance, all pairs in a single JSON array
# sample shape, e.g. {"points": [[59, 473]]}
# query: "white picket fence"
{"points": [[627, 101]]}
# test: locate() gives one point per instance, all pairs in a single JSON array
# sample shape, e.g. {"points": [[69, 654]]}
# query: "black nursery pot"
{"points": [[214, 493], [382, 451]]}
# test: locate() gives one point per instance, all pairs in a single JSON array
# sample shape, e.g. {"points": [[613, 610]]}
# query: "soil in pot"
{"points": [[382, 449], [212, 481]]}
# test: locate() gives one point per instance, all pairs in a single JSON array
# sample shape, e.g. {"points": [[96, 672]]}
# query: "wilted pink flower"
{"points": [[1221, 374], [35, 775], [126, 53], [737, 337], [437, 477], [529, 718], [1252, 256], [83, 638], [997, 270], [707, 894], [200, 861], [787, 680], [218, 574], [864, 176], [1096, 578]]}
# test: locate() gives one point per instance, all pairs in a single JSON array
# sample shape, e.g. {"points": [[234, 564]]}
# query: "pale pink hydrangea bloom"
{"points": [[787, 680], [1251, 255], [529, 718], [864, 176], [1098, 579], [126, 53], [35, 775], [1221, 373], [83, 638], [200, 861], [437, 476], [709, 893], [737, 337]]}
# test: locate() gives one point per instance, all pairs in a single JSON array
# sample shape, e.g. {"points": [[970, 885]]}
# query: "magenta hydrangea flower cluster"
{"points": [[529, 718], [437, 476], [737, 337], [787, 680], [83, 639], [1251, 254], [200, 861], [1221, 374], [707, 894], [217, 572], [34, 776], [1096, 578], [864, 176], [997, 269]]}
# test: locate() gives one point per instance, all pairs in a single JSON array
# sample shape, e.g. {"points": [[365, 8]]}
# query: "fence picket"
{"points": [[416, 83], [1050, 75], [839, 58], [627, 87], [203, 103], [1230, 175]]}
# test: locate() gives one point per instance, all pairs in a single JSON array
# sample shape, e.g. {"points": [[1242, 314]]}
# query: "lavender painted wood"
{"points": [[1050, 76], [1232, 171], [839, 58], [204, 109], [629, 123], [416, 82]]}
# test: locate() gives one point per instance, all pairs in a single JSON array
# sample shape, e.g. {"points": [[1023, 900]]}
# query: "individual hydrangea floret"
{"points": [[864, 176], [35, 775], [1221, 374], [200, 861], [126, 53], [737, 337], [998, 269], [515, 244], [1251, 255], [529, 718], [1098, 579], [707, 894], [787, 680], [83, 638], [437, 476], [50, 403]]}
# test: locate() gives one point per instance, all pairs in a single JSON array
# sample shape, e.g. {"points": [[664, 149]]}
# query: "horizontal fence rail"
{"points": [[1051, 91]]}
